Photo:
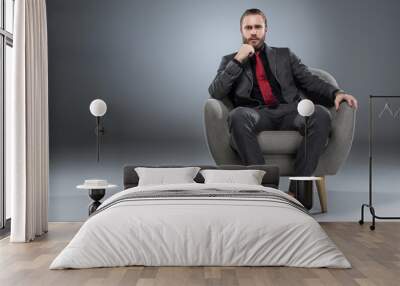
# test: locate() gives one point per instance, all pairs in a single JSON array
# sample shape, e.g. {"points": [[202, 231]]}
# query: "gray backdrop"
{"points": [[152, 62]]}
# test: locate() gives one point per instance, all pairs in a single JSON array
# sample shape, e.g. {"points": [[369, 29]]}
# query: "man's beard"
{"points": [[259, 43]]}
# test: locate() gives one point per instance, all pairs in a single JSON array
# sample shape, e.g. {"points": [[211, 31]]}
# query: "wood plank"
{"points": [[374, 255]]}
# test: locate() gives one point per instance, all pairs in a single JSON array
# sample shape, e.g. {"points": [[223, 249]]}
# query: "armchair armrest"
{"points": [[338, 149], [217, 132]]}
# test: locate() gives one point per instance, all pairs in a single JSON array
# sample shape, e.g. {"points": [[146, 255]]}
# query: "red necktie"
{"points": [[263, 82]]}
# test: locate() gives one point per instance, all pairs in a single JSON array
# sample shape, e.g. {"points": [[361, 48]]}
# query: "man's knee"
{"points": [[242, 116], [321, 117]]}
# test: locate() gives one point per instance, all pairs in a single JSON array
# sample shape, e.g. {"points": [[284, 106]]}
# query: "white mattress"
{"points": [[200, 231]]}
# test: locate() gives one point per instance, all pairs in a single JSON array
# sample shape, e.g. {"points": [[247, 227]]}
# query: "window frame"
{"points": [[6, 39]]}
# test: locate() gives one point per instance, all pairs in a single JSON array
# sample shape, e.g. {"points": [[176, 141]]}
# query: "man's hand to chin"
{"points": [[244, 52]]}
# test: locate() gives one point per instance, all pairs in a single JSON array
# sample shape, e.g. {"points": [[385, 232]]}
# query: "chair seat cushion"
{"points": [[280, 142]]}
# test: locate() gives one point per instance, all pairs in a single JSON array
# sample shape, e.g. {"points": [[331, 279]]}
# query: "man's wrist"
{"points": [[237, 62], [337, 92]]}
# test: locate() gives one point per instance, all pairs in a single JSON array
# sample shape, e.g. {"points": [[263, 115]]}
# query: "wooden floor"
{"points": [[375, 257]]}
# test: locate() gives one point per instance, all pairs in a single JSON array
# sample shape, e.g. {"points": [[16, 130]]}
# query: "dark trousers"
{"points": [[245, 123]]}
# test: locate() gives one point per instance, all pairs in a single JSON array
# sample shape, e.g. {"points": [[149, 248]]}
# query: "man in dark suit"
{"points": [[265, 85]]}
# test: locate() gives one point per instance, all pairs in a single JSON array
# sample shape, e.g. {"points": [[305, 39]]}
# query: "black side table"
{"points": [[96, 195], [97, 190], [304, 190]]}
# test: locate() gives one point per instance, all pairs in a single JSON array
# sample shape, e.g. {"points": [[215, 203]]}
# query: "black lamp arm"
{"points": [[99, 130]]}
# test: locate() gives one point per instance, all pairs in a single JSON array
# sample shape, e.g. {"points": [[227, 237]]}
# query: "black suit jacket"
{"points": [[296, 81]]}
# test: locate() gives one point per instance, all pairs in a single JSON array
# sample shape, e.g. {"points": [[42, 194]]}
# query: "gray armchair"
{"points": [[279, 147]]}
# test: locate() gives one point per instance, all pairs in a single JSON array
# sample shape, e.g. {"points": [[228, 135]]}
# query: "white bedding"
{"points": [[200, 231]]}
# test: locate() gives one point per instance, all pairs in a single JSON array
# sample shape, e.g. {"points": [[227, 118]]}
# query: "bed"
{"points": [[198, 224]]}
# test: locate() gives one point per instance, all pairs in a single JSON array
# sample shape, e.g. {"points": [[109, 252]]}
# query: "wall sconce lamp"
{"points": [[306, 109], [98, 108]]}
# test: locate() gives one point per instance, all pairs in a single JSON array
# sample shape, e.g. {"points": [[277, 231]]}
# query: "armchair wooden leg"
{"points": [[321, 188]]}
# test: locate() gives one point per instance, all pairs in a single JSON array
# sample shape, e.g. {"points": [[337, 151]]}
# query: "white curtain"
{"points": [[27, 124]]}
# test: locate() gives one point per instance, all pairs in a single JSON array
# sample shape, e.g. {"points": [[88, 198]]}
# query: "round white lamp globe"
{"points": [[305, 107], [98, 107]]}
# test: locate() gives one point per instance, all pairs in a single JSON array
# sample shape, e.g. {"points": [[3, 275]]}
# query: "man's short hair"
{"points": [[253, 11]]}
